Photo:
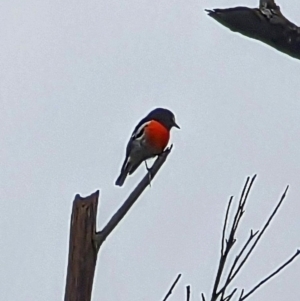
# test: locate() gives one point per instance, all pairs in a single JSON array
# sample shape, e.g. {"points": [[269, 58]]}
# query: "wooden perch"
{"points": [[82, 253], [85, 242], [118, 216], [266, 24]]}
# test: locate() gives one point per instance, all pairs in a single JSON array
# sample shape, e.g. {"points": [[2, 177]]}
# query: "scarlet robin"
{"points": [[149, 139]]}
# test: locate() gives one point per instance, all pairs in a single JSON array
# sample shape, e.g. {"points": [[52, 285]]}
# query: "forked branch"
{"points": [[219, 293], [230, 241], [85, 241]]}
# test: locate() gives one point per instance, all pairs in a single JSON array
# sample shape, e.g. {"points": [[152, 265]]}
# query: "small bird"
{"points": [[149, 139]]}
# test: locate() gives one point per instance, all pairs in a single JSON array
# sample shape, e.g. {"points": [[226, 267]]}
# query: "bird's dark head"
{"points": [[164, 116]]}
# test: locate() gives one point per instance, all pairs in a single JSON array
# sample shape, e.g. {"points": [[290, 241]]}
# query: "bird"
{"points": [[149, 139]]}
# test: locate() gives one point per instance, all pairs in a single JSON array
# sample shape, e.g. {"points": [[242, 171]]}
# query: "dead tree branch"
{"points": [[82, 254], [188, 292], [219, 292], [265, 23], [85, 242], [118, 216], [243, 297], [231, 239], [250, 244], [261, 233], [171, 288]]}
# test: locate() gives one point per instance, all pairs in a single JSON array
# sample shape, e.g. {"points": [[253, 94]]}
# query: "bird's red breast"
{"points": [[157, 135]]}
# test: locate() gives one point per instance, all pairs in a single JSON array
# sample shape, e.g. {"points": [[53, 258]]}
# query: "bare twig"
{"points": [[188, 292], [100, 237], [172, 287], [261, 233], [242, 298], [229, 276], [242, 204], [247, 248], [234, 270], [231, 239], [228, 298], [225, 224], [242, 293], [203, 298], [238, 263]]}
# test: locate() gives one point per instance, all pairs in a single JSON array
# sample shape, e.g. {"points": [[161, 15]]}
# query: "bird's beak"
{"points": [[176, 125]]}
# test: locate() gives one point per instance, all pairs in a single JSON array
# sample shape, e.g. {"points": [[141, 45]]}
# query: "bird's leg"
{"points": [[149, 173]]}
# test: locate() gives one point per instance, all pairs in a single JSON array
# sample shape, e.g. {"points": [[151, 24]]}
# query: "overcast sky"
{"points": [[76, 77]]}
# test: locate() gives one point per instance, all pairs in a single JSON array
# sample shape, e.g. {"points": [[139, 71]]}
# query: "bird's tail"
{"points": [[127, 169], [122, 177]]}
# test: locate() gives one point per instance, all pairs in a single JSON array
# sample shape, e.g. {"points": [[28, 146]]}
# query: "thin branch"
{"points": [[231, 239], [270, 276], [224, 226], [172, 287], [247, 248], [240, 207], [242, 293], [203, 298], [100, 237], [240, 210], [188, 292], [261, 232], [243, 203], [229, 276], [228, 298]]}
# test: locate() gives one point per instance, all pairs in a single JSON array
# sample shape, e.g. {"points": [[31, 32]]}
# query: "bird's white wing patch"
{"points": [[138, 134]]}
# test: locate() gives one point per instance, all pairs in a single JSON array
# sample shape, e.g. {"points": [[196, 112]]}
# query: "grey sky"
{"points": [[76, 77]]}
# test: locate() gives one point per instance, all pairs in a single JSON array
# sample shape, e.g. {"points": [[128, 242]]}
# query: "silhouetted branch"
{"points": [[225, 225], [270, 276], [188, 292], [261, 233], [250, 244], [266, 24], [231, 239], [229, 276], [118, 216], [228, 298], [247, 248], [171, 288]]}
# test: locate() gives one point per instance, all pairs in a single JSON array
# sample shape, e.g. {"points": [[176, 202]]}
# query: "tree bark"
{"points": [[85, 241], [266, 24], [82, 251]]}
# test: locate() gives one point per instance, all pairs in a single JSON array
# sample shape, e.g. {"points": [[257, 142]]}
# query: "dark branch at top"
{"points": [[266, 24]]}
